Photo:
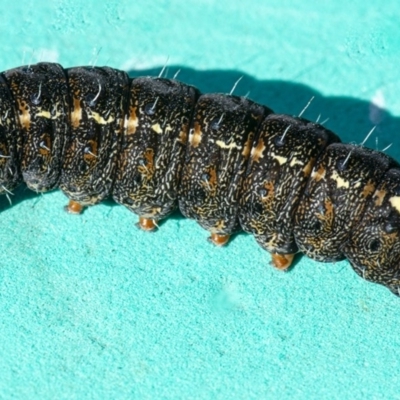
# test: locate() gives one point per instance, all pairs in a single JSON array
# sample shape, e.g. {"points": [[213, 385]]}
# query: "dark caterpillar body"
{"points": [[282, 158], [40, 95], [153, 147], [229, 163], [220, 139], [99, 100]]}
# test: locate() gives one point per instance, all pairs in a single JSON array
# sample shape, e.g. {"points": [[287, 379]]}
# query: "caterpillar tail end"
{"points": [[282, 261], [219, 240], [74, 207], [147, 224]]}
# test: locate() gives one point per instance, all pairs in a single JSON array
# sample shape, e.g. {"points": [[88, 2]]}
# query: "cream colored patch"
{"points": [[99, 119], [157, 128], [295, 161], [340, 181], [281, 160], [318, 174], [47, 114], [257, 152], [395, 202], [223, 145], [44, 114], [25, 119], [195, 135]]}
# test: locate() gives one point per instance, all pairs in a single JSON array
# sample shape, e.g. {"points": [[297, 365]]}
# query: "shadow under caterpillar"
{"points": [[229, 163]]}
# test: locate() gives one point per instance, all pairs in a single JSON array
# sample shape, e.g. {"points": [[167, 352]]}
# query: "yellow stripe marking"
{"points": [[223, 145], [157, 128], [395, 202], [340, 181], [281, 160]]}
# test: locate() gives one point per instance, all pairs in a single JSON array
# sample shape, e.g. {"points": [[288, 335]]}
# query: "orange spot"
{"points": [[24, 115], [379, 196], [147, 224], [74, 207], [76, 114], [133, 121], [213, 176], [282, 261], [369, 188], [247, 146], [219, 240], [257, 152], [183, 134], [308, 168]]}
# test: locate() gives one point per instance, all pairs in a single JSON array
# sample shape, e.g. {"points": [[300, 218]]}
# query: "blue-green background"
{"points": [[93, 308]]}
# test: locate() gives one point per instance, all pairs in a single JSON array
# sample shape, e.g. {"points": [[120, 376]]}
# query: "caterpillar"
{"points": [[155, 144]]}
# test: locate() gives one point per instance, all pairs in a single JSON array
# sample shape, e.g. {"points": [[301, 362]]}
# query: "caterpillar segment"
{"points": [[153, 148], [282, 157], [40, 94], [99, 102], [219, 145]]}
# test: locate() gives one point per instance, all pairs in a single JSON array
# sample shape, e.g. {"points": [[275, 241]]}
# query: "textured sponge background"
{"points": [[92, 308]]}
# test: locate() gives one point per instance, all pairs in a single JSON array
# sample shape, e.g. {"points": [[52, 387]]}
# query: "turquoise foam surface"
{"points": [[92, 308]]}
